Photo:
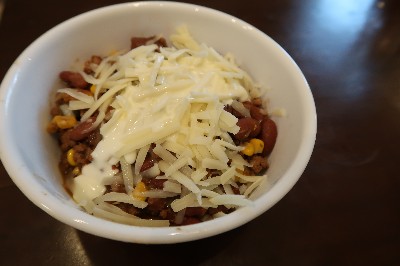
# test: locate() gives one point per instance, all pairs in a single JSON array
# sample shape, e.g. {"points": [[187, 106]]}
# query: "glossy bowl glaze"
{"points": [[30, 155]]}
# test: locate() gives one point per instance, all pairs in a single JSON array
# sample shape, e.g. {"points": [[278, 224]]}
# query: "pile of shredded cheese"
{"points": [[173, 97]]}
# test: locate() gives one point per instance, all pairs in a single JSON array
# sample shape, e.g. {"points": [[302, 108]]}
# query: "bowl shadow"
{"points": [[102, 251]]}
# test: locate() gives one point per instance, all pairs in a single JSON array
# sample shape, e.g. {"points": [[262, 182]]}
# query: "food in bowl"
{"points": [[161, 135], [31, 157]]}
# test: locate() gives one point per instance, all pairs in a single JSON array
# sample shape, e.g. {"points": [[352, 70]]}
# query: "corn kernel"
{"points": [[93, 89], [64, 121], [76, 171], [258, 145], [140, 187], [248, 149], [51, 128], [113, 52], [70, 157], [253, 147]]}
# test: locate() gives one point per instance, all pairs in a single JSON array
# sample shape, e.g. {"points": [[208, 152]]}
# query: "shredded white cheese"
{"points": [[173, 97]]}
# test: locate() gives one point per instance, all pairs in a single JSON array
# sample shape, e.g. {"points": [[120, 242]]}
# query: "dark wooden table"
{"points": [[345, 209]]}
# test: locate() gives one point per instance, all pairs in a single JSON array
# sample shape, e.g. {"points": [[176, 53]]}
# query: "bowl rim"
{"points": [[127, 233]]}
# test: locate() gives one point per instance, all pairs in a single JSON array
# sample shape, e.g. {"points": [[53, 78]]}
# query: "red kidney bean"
{"points": [[118, 187], [231, 110], [139, 41], [150, 160], [82, 130], [195, 211], [128, 207], [147, 164], [257, 102], [220, 208], [190, 220], [156, 204], [161, 42], [247, 126], [256, 131], [235, 190], [94, 138], [73, 79], [247, 104], [269, 133], [95, 59], [154, 183], [256, 113]]}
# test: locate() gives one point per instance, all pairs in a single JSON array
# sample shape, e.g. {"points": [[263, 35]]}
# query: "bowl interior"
{"points": [[30, 155]]}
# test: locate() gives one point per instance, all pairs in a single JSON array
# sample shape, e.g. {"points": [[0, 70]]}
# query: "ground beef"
{"points": [[55, 110], [65, 167], [259, 163], [66, 142], [82, 154]]}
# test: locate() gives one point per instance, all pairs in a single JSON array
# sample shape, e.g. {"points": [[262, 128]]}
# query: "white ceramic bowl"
{"points": [[30, 155]]}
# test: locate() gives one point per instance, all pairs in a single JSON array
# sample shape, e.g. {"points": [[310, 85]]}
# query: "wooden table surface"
{"points": [[345, 209]]}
